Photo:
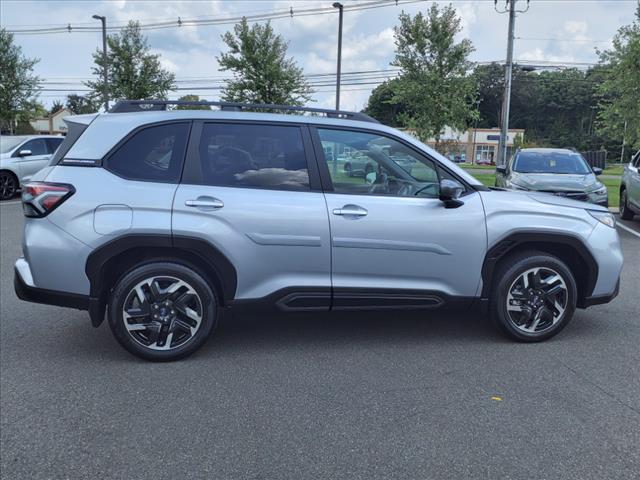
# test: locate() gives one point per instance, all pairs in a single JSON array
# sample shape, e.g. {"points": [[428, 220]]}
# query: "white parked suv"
{"points": [[21, 157]]}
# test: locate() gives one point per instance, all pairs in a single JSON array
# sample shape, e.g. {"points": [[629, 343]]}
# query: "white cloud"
{"points": [[368, 35]]}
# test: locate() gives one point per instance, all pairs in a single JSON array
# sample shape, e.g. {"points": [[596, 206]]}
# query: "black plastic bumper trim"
{"points": [[599, 299], [49, 297]]}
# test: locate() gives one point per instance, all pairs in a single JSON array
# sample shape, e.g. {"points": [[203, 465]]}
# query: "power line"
{"points": [[180, 22]]}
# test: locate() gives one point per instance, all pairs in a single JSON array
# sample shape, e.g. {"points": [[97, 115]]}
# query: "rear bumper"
{"points": [[33, 294]]}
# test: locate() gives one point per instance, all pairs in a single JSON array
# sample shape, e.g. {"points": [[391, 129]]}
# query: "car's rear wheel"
{"points": [[162, 311], [534, 296], [8, 185], [625, 212]]}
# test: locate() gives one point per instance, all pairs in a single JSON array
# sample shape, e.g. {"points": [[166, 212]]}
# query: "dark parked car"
{"points": [[559, 171]]}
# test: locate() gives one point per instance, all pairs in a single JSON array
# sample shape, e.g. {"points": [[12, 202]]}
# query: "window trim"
{"points": [[192, 172], [325, 175], [104, 161]]}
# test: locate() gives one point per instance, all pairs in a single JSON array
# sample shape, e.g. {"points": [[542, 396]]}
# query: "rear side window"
{"points": [[258, 156], [152, 154]]}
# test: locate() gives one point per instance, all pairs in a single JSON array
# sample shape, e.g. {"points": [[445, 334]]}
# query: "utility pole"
{"points": [[506, 98], [105, 76], [340, 7]]}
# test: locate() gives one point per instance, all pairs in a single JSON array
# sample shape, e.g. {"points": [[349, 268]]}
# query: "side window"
{"points": [[636, 161], [366, 163], [37, 147], [53, 144], [154, 154], [252, 155]]}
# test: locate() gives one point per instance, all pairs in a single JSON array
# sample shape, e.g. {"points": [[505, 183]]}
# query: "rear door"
{"points": [[394, 244], [252, 190]]}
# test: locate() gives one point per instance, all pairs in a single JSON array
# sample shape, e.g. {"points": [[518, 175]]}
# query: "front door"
{"points": [[248, 190], [394, 244], [39, 157]]}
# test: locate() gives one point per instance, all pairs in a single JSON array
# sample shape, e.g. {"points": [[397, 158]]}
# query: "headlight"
{"points": [[515, 186], [603, 217], [602, 190]]}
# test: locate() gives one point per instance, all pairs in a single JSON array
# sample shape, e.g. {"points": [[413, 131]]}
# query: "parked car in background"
{"points": [[558, 171], [162, 247], [359, 165], [630, 189], [21, 157]]}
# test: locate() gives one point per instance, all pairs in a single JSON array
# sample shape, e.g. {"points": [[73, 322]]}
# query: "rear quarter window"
{"points": [[154, 153]]}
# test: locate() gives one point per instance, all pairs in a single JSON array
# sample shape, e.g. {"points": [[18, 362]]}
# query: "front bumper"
{"points": [[599, 299]]}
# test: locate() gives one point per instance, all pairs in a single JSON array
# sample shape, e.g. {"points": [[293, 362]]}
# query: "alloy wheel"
{"points": [[8, 186], [537, 300], [162, 312]]}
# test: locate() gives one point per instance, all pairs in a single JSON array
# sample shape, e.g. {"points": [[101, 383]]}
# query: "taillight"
{"points": [[41, 198]]}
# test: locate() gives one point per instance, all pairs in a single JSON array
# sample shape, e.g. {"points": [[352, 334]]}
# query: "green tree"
{"points": [[18, 85], [57, 105], [79, 104], [383, 106], [434, 78], [133, 72], [192, 98], [620, 91], [556, 108], [261, 71]]}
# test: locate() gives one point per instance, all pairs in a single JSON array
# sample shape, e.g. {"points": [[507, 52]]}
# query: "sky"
{"points": [[550, 32]]}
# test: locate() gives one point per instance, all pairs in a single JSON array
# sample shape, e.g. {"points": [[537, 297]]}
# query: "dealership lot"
{"points": [[390, 395]]}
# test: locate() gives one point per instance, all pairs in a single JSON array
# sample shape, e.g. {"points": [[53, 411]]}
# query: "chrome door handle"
{"points": [[350, 211], [206, 203]]}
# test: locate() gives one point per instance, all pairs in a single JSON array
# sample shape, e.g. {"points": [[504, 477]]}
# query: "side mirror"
{"points": [[24, 153], [597, 171], [370, 178], [502, 169], [450, 192]]}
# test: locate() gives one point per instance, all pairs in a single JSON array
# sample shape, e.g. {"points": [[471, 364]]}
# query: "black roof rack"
{"points": [[125, 106]]}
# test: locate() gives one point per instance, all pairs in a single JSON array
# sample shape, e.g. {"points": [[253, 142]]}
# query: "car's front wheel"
{"points": [[8, 185], [625, 213], [162, 311], [534, 296]]}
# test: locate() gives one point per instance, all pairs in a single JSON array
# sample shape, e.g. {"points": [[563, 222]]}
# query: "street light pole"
{"points": [[340, 7], [105, 76]]}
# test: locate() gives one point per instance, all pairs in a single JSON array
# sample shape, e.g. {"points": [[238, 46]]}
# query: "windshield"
{"points": [[9, 143], [551, 162]]}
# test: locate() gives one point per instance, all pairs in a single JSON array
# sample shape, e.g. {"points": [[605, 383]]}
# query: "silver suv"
{"points": [[630, 189], [164, 218]]}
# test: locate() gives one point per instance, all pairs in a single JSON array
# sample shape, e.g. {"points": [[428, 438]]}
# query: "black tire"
{"points": [[509, 272], [347, 169], [625, 212], [202, 301], [8, 185]]}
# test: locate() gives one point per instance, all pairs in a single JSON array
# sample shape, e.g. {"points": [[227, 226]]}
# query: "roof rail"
{"points": [[125, 106]]}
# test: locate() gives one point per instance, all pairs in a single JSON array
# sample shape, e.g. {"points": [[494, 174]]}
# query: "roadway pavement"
{"points": [[372, 396]]}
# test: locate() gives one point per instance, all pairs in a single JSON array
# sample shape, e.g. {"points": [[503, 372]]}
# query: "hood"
{"points": [[556, 182]]}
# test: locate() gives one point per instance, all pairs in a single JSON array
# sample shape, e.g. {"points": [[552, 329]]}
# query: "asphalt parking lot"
{"points": [[370, 396]]}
